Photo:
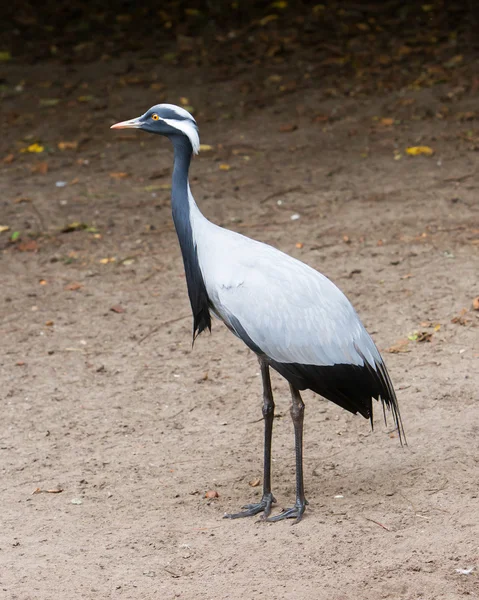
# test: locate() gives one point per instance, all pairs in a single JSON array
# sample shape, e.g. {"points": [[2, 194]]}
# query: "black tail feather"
{"points": [[350, 386]]}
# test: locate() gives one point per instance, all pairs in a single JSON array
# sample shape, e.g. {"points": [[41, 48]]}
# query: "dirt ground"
{"points": [[104, 399]]}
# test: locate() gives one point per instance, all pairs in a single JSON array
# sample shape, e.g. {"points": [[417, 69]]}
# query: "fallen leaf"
{"points": [[255, 482], [74, 226], [105, 261], [84, 98], [206, 148], [9, 159], [119, 175], [57, 490], [475, 302], [224, 167], [20, 363], [320, 118], [28, 246], [4, 228], [160, 186], [5, 56], [400, 346], [424, 336], [67, 145], [41, 168], [299, 245], [157, 86], [117, 309], [287, 128], [43, 282], [387, 122], [461, 319], [49, 323], [210, 494], [35, 148], [15, 236], [417, 150], [265, 20], [73, 286], [46, 102]]}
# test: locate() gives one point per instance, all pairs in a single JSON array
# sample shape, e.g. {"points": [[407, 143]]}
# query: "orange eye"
{"points": [[155, 117]]}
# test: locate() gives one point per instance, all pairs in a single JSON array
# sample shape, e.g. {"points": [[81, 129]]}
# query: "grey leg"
{"points": [[268, 415], [297, 414]]}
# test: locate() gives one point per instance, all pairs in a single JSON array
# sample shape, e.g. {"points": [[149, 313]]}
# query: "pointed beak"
{"points": [[131, 124]]}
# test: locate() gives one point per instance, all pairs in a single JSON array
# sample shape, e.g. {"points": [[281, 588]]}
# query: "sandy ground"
{"points": [[115, 409]]}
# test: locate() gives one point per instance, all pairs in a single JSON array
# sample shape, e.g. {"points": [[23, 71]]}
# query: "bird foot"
{"points": [[253, 509], [296, 512]]}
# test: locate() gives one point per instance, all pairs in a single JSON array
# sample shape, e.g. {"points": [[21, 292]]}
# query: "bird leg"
{"points": [[297, 414], [268, 499]]}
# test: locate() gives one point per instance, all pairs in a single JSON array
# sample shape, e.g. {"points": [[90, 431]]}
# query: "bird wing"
{"points": [[291, 312]]}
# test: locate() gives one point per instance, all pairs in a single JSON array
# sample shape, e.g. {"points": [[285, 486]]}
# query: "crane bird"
{"points": [[293, 317]]}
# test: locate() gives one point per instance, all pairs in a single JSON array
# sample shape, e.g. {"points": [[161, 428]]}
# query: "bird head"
{"points": [[168, 120]]}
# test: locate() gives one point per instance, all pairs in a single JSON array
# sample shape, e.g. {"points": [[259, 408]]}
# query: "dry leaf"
{"points": [[41, 167], [119, 175], [224, 167], [28, 246], [4, 228], [475, 303], [57, 490], [255, 482], [424, 336], [387, 122], [105, 261], [9, 159], [75, 226], [67, 145], [299, 245], [206, 148], [49, 323], [117, 309], [210, 494], [287, 127], [400, 346], [461, 318], [321, 119], [73, 286], [417, 150]]}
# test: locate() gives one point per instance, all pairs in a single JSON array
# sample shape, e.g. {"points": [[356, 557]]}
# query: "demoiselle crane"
{"points": [[294, 318]]}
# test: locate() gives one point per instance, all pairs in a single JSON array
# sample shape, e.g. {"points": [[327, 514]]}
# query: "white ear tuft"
{"points": [[189, 128]]}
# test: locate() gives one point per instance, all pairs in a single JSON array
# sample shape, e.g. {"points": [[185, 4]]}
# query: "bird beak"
{"points": [[131, 124]]}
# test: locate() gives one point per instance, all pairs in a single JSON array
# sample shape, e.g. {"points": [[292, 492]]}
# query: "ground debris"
{"points": [[57, 490]]}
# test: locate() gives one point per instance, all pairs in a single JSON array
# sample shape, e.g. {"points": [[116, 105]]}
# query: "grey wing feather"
{"points": [[295, 314]]}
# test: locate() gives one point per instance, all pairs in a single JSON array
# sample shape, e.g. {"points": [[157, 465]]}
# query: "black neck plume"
{"points": [[181, 216]]}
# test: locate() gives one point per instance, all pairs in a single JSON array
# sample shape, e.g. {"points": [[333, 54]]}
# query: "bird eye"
{"points": [[155, 117]]}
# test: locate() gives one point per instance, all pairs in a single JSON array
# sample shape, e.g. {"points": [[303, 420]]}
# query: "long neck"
{"points": [[181, 208]]}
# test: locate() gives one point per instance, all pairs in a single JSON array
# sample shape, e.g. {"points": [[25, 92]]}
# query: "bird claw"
{"points": [[250, 510], [296, 512]]}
